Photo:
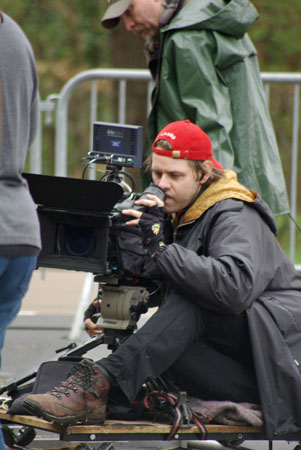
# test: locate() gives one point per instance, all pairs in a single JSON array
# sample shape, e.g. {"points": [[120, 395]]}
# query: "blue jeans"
{"points": [[15, 275]]}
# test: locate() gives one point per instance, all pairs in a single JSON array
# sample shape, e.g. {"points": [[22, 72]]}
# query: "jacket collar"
{"points": [[225, 188], [230, 17]]}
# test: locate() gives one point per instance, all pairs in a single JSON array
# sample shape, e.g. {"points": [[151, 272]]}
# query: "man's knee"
{"points": [[184, 310]]}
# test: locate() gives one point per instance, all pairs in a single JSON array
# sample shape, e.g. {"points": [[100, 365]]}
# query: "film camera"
{"points": [[81, 220]]}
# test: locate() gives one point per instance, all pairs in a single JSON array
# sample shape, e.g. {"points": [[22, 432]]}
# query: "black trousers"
{"points": [[207, 354]]}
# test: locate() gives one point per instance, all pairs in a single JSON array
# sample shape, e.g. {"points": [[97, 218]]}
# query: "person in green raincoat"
{"points": [[206, 70]]}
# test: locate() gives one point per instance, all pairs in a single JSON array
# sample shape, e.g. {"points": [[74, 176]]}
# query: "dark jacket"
{"points": [[224, 255], [228, 260], [208, 73]]}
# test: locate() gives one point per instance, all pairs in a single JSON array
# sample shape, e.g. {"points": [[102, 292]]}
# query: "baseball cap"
{"points": [[188, 142], [115, 9]]}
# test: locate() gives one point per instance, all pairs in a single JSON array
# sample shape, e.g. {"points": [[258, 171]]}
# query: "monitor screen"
{"points": [[117, 144]]}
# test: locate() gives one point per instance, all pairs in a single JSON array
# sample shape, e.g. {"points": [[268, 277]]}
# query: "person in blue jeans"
{"points": [[15, 275], [19, 224]]}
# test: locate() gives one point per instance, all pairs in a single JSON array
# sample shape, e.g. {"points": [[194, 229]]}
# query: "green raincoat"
{"points": [[208, 73]]}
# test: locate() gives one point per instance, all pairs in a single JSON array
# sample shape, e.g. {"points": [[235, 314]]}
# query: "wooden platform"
{"points": [[119, 431], [113, 430]]}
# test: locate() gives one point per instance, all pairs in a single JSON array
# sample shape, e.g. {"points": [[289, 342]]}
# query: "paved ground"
{"points": [[48, 321]]}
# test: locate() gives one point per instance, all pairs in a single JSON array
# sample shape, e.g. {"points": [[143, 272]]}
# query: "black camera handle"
{"points": [[114, 174]]}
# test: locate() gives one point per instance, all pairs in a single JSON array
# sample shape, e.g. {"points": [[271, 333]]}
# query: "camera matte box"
{"points": [[74, 219]]}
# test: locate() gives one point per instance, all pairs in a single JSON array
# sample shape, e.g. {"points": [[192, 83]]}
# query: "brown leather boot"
{"points": [[81, 398]]}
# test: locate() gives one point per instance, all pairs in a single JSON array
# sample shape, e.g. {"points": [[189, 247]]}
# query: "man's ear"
{"points": [[205, 174]]}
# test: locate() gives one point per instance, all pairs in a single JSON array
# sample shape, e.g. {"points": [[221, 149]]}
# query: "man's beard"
{"points": [[145, 32]]}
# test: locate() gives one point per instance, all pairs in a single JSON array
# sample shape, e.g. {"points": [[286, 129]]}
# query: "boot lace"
{"points": [[80, 376]]}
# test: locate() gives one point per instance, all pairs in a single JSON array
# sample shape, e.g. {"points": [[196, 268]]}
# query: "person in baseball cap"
{"points": [[115, 9]]}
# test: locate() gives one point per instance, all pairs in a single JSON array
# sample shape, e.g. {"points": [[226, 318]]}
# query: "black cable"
{"points": [[88, 165], [293, 220]]}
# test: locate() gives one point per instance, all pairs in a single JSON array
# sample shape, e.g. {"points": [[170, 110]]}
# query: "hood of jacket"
{"points": [[227, 188], [233, 17]]}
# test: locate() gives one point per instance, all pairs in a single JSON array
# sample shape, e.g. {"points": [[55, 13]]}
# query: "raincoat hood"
{"points": [[232, 18]]}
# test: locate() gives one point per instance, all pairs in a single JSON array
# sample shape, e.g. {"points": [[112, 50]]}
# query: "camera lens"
{"points": [[77, 240]]}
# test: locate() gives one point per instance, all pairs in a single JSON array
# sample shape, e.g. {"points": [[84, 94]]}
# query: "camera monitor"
{"points": [[74, 218], [120, 145]]}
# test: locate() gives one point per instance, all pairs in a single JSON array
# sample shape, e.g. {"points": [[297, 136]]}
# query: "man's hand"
{"points": [[150, 201], [150, 222], [91, 328]]}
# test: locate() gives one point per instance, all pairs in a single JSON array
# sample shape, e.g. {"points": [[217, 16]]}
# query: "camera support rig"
{"points": [[118, 146], [121, 307]]}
